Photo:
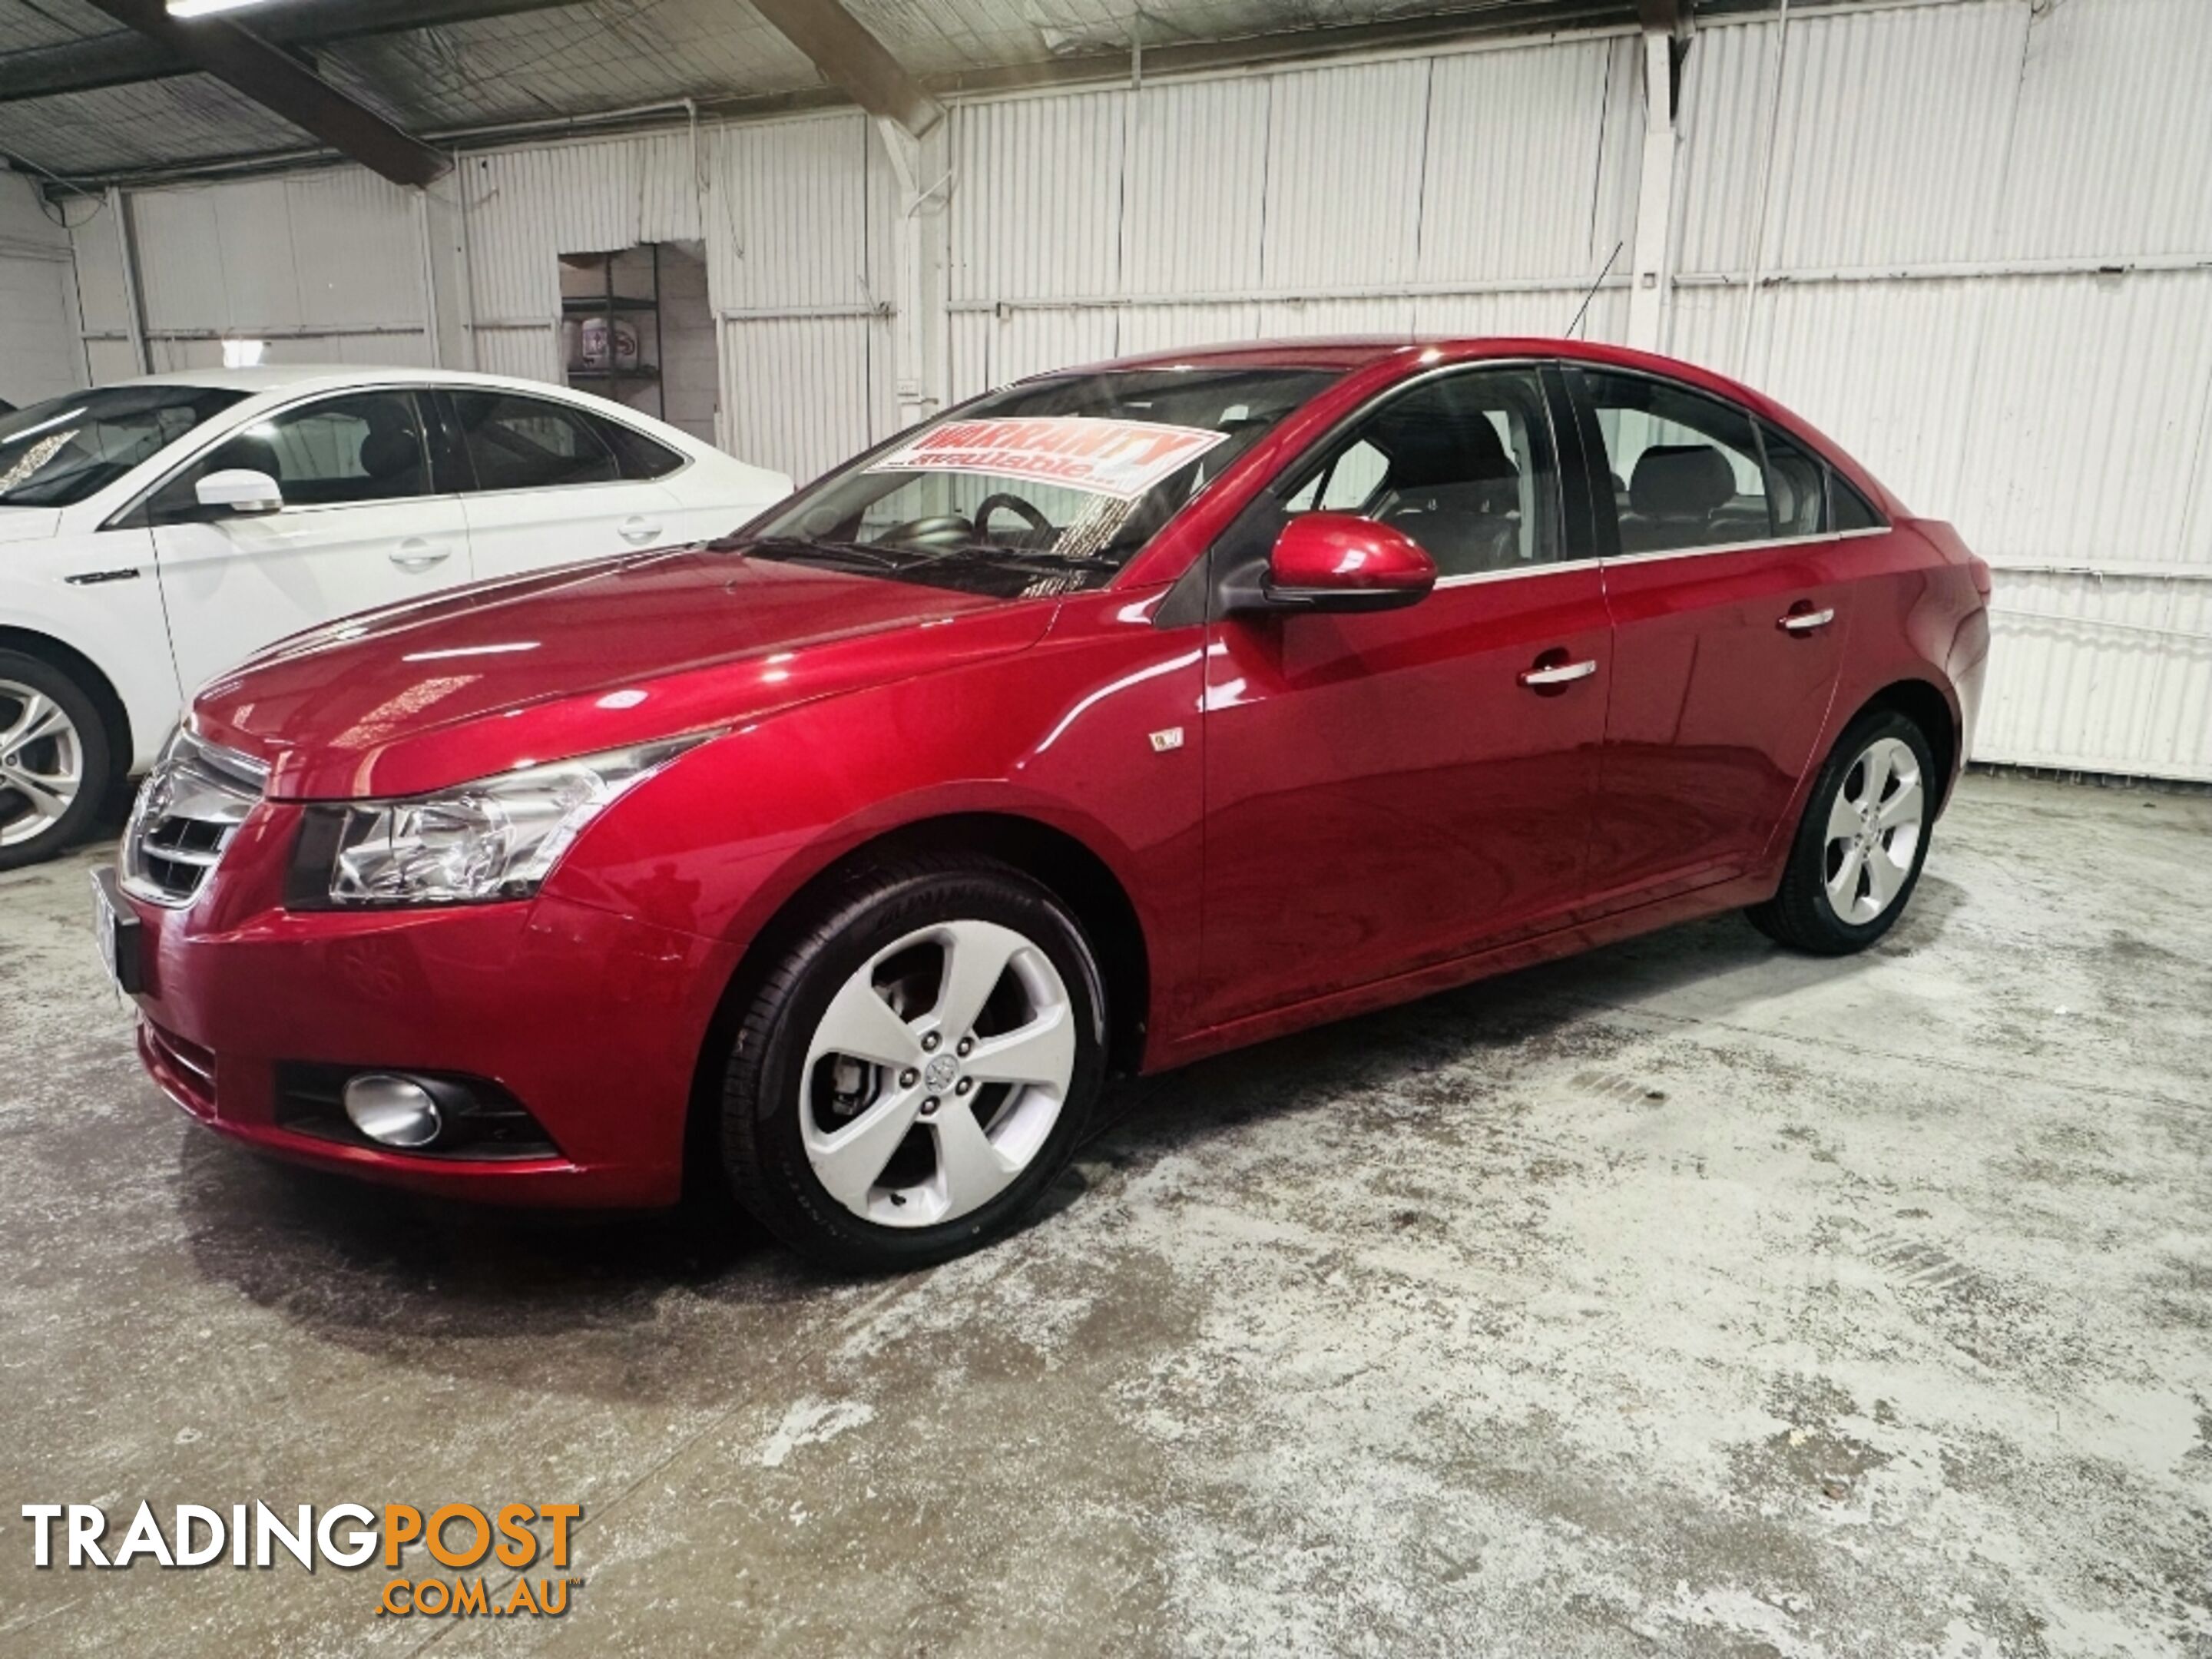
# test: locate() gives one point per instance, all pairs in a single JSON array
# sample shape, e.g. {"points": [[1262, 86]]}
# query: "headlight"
{"points": [[495, 839]]}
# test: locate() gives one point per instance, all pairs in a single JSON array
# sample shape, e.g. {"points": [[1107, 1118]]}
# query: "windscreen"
{"points": [[1047, 486], [57, 452]]}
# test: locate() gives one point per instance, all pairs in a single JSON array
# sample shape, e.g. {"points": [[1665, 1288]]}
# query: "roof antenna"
{"points": [[1603, 273]]}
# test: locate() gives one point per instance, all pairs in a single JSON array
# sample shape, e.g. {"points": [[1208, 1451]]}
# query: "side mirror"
{"points": [[1334, 561], [238, 490]]}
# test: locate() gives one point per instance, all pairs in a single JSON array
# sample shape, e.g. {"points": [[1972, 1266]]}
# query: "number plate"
{"points": [[115, 930]]}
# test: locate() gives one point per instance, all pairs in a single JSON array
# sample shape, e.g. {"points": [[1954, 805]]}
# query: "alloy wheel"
{"points": [[937, 1073], [1875, 826], [41, 763]]}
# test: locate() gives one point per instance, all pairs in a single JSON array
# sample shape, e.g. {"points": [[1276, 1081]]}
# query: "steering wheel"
{"points": [[1019, 508]]}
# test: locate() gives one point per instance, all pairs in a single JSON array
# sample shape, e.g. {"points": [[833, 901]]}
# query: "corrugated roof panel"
{"points": [[1037, 198], [1344, 153], [567, 60], [52, 23], [1519, 180], [116, 129]]}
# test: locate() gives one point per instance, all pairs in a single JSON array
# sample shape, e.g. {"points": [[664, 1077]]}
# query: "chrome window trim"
{"points": [[1746, 547], [1472, 577]]}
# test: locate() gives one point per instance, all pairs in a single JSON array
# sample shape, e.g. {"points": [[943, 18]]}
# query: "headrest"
{"points": [[251, 455], [387, 452], [1794, 484], [1425, 450], [1681, 481]]}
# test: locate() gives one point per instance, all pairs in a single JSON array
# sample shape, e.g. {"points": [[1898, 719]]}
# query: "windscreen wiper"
{"points": [[856, 553]]}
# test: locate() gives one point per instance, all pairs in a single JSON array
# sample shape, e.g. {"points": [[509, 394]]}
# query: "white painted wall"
{"points": [[39, 352], [1977, 235]]}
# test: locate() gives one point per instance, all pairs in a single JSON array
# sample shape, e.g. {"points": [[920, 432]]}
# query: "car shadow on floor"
{"points": [[433, 1284]]}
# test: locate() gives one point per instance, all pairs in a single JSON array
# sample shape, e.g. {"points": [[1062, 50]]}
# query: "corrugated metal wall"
{"points": [[1978, 251], [1477, 191], [324, 267], [39, 355], [1969, 238]]}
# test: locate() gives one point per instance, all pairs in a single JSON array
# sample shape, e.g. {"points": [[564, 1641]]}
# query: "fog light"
{"points": [[392, 1110]]}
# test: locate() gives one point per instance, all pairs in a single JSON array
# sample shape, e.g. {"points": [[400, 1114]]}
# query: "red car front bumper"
{"points": [[594, 1022]]}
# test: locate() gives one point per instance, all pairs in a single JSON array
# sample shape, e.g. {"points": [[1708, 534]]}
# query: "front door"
{"points": [[1392, 790], [360, 528], [1731, 603]]}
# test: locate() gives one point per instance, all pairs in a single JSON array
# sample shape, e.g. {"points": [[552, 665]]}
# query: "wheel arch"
{"points": [[1057, 860], [1924, 704], [87, 673]]}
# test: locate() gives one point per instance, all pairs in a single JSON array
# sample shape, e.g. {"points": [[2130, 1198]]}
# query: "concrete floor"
{"points": [[1690, 1297]]}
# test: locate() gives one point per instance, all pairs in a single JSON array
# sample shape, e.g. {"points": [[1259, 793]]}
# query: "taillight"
{"points": [[1980, 569]]}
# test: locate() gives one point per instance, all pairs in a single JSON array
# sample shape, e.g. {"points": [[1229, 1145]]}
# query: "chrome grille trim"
{"points": [[189, 808]]}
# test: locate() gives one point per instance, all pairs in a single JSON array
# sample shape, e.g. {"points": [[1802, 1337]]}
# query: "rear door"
{"points": [[1388, 791], [362, 525], [1730, 598], [548, 482]]}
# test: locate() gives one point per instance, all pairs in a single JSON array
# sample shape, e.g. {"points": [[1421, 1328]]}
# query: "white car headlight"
{"points": [[497, 838]]}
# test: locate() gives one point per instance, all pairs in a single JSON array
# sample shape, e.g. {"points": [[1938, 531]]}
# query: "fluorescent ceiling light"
{"points": [[202, 7]]}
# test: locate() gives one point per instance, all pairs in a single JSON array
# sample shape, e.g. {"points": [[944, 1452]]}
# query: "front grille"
{"points": [[187, 812]]}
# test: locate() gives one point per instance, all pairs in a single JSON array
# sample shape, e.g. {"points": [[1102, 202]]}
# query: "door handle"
{"points": [[417, 553], [1807, 621], [1562, 673], [637, 530]]}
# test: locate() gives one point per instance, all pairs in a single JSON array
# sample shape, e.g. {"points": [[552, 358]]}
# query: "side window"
{"points": [[363, 447], [1684, 468], [1346, 483], [1848, 508], [1462, 464], [517, 442], [1797, 486], [637, 455]]}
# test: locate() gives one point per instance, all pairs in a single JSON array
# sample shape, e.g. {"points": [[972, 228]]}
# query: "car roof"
{"points": [[1349, 351], [286, 377]]}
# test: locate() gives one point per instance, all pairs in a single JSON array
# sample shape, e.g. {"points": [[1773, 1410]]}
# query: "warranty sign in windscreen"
{"points": [[1123, 459]]}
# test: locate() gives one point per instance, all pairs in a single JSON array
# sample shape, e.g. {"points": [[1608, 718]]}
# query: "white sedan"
{"points": [[154, 533]]}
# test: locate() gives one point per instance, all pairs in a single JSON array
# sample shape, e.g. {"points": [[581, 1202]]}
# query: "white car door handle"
{"points": [[1559, 674], [1805, 622], [417, 553], [637, 530]]}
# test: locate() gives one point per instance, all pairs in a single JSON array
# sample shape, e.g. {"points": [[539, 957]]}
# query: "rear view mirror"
{"points": [[1334, 561], [239, 490]]}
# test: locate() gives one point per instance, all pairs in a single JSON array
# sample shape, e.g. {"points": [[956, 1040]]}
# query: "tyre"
{"points": [[915, 1070], [1860, 847], [54, 759]]}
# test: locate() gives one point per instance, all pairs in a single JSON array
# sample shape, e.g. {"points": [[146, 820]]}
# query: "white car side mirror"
{"points": [[239, 490]]}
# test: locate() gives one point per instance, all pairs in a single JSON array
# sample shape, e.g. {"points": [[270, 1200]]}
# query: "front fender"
{"points": [[1061, 735]]}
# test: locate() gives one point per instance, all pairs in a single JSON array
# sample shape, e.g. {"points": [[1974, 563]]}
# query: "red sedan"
{"points": [[1125, 715]]}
